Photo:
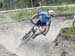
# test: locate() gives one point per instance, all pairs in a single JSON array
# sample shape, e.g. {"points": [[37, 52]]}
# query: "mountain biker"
{"points": [[44, 21]]}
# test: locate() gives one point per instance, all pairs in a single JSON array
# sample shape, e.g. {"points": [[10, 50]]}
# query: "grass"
{"points": [[69, 31], [2, 16], [25, 14]]}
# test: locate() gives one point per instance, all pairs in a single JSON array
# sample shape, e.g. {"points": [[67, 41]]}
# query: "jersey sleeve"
{"points": [[49, 22]]}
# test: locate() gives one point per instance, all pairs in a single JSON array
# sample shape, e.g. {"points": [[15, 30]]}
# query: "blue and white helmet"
{"points": [[51, 12]]}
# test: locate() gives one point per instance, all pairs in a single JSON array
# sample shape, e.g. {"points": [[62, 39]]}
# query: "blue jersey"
{"points": [[43, 17]]}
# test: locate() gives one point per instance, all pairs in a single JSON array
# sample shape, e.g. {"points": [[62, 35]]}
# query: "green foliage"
{"points": [[60, 2], [14, 4], [2, 16], [69, 31], [62, 9], [65, 10], [25, 14]]}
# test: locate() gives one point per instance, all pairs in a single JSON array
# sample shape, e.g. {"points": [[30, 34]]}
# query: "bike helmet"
{"points": [[51, 12]]}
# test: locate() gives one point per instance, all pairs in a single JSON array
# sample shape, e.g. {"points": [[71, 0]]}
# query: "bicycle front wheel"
{"points": [[25, 39]]}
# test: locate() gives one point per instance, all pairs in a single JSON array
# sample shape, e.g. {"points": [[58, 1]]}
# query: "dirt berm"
{"points": [[65, 44]]}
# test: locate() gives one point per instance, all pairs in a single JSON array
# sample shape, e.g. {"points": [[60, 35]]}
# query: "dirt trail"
{"points": [[11, 32]]}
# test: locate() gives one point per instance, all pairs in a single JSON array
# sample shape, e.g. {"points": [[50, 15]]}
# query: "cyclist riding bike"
{"points": [[44, 21]]}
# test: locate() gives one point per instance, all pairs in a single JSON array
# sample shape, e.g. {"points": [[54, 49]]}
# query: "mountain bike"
{"points": [[30, 35]]}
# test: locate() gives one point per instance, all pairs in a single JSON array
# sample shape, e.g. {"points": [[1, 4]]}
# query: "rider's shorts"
{"points": [[39, 23]]}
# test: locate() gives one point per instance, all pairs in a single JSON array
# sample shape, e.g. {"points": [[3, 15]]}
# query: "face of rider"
{"points": [[50, 16]]}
